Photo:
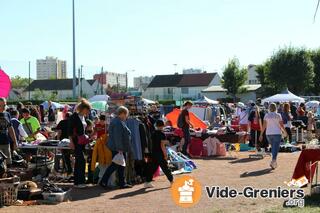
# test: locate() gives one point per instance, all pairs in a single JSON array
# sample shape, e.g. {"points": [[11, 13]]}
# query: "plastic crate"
{"points": [[9, 191]]}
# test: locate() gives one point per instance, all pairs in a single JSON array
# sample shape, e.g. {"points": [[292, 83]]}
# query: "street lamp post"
{"points": [[74, 52]]}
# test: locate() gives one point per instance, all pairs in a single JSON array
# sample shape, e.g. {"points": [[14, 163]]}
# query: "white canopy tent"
{"points": [[147, 101], [99, 98], [285, 96], [312, 104], [206, 100]]}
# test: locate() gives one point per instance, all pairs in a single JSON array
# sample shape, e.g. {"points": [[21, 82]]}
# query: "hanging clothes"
{"points": [[133, 125], [208, 114]]}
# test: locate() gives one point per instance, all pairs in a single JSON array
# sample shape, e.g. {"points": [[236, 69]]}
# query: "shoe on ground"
{"points": [[80, 186], [126, 186], [273, 164], [148, 185]]}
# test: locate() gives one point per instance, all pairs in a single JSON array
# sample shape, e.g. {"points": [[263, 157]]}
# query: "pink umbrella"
{"points": [[5, 84]]}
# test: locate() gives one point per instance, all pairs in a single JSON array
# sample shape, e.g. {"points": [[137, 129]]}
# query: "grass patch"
{"points": [[311, 205]]}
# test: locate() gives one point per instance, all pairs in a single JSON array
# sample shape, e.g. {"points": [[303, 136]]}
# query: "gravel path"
{"points": [[225, 171]]}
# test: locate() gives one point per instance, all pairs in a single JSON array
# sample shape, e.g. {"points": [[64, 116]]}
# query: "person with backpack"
{"points": [[184, 124], [6, 132]]}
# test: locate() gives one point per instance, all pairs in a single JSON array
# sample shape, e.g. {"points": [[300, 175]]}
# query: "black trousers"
{"points": [[114, 167], [157, 161], [289, 133], [79, 165], [261, 144], [187, 140]]}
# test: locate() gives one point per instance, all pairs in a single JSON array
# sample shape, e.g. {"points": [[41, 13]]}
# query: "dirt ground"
{"points": [[226, 171]]}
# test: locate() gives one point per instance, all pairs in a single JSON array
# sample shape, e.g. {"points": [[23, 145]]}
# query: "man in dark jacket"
{"points": [[119, 143]]}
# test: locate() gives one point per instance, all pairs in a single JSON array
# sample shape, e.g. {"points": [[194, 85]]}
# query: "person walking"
{"points": [[76, 131], [159, 155], [287, 120], [254, 128], [273, 125], [184, 124], [119, 143]]}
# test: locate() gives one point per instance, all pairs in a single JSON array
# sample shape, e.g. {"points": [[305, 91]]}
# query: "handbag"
{"points": [[83, 140], [119, 159]]}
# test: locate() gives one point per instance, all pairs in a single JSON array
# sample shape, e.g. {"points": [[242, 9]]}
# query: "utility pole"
{"points": [[29, 81], [102, 81], [81, 81], [74, 52], [175, 68], [126, 81]]}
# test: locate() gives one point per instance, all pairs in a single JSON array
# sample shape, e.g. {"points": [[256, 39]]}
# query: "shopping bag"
{"points": [[119, 159]]}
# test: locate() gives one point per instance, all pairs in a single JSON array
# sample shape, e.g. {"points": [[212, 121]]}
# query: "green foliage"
{"points": [[315, 57], [297, 69], [38, 95], [291, 68], [167, 102], [234, 78], [53, 96], [19, 82]]}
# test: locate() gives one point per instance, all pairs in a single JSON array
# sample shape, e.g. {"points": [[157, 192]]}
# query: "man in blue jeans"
{"points": [[186, 126]]}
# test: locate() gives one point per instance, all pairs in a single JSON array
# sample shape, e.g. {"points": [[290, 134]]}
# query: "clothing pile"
{"points": [[289, 148], [214, 147]]}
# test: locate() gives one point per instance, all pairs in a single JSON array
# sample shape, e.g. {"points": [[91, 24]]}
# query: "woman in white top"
{"points": [[273, 125]]}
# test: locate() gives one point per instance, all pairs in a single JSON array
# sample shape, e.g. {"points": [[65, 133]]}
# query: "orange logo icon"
{"points": [[186, 191]]}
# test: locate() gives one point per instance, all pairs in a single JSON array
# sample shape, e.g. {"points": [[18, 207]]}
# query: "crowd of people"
{"points": [[81, 126], [272, 124], [266, 125]]}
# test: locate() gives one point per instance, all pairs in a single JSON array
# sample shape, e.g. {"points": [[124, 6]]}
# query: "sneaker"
{"points": [[273, 164], [80, 186], [148, 185]]}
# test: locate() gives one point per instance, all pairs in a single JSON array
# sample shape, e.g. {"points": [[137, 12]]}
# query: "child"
{"points": [[100, 126], [159, 155]]}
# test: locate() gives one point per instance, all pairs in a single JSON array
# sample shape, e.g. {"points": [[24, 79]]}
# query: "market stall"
{"points": [[284, 96]]}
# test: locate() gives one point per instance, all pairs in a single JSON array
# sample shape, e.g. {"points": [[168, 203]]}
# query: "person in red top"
{"points": [[100, 127], [254, 128]]}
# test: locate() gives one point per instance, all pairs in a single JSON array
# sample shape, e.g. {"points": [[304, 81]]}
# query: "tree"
{"points": [[291, 68], [267, 86], [315, 57], [234, 78], [53, 96], [19, 82], [38, 95]]}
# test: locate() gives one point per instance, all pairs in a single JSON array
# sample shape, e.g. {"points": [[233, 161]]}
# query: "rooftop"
{"points": [[184, 80]]}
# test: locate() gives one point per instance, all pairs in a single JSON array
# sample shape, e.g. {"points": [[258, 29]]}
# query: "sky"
{"points": [[150, 36]]}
